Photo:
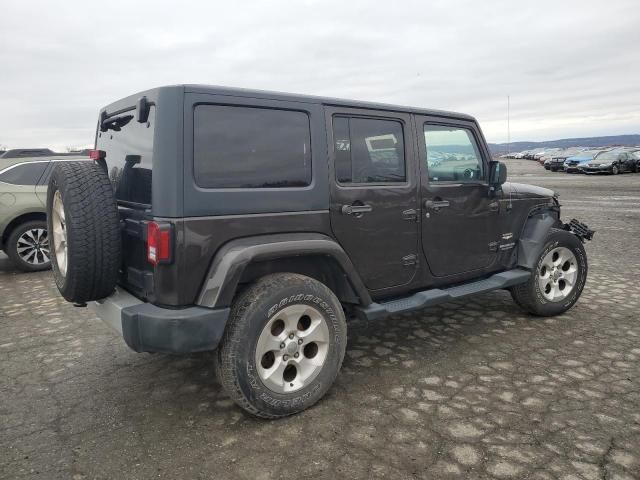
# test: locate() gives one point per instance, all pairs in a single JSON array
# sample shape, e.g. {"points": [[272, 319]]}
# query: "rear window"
{"points": [[244, 147], [25, 174], [129, 148]]}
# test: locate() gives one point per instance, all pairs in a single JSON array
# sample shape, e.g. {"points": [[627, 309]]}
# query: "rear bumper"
{"points": [[149, 328]]}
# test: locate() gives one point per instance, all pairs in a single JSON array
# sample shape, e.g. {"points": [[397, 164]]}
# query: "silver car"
{"points": [[23, 193]]}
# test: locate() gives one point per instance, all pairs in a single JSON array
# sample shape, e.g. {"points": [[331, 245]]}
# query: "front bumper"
{"points": [[148, 328], [598, 169]]}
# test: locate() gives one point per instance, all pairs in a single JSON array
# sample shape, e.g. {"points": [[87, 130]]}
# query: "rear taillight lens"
{"points": [[97, 154], [159, 242]]}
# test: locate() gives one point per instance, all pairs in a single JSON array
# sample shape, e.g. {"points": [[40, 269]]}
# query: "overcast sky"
{"points": [[572, 68]]}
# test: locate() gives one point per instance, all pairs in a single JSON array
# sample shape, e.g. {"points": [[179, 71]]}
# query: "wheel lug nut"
{"points": [[285, 357], [291, 336], [296, 355], [282, 345], [299, 341]]}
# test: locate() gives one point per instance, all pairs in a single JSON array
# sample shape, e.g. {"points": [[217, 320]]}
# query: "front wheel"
{"points": [[283, 346], [615, 170], [558, 278]]}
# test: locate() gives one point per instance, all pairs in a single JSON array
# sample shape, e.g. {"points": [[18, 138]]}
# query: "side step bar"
{"points": [[435, 296]]}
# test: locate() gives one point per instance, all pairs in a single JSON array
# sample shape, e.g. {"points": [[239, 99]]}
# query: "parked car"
{"points": [[574, 163], [23, 226], [27, 153], [545, 158], [635, 152], [558, 158], [251, 222], [612, 161]]}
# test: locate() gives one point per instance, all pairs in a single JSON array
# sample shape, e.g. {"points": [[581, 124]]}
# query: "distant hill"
{"points": [[626, 140]]}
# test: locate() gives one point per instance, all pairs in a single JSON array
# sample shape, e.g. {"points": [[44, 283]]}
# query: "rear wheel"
{"points": [[28, 246], [283, 346], [558, 278]]}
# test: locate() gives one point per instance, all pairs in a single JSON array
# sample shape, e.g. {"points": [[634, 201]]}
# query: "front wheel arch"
{"points": [[533, 237]]}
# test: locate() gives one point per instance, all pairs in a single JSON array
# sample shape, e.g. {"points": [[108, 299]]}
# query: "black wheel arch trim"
{"points": [[534, 233], [231, 260]]}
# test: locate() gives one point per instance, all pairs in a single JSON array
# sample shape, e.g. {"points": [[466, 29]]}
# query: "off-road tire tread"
{"points": [[262, 288], [12, 251], [93, 231]]}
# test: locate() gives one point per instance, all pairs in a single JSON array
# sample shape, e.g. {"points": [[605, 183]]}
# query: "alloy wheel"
{"points": [[292, 348], [33, 247], [59, 233], [558, 274]]}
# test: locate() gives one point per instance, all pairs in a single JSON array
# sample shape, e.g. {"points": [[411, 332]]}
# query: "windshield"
{"points": [[606, 156], [129, 146]]}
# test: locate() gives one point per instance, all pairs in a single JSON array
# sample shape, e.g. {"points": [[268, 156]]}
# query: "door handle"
{"points": [[436, 204], [356, 209]]}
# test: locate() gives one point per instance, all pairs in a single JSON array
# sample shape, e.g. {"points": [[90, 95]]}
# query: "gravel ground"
{"points": [[474, 389]]}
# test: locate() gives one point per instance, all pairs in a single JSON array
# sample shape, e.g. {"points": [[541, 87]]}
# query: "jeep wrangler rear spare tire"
{"points": [[283, 345], [558, 278], [84, 231]]}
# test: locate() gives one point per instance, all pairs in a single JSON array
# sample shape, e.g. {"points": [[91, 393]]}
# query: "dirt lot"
{"points": [[474, 389]]}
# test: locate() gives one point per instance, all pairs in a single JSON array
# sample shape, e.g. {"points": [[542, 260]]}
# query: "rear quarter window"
{"points": [[129, 157], [25, 174], [246, 147]]}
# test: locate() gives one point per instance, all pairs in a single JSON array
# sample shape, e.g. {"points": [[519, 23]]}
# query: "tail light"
{"points": [[159, 238], [97, 154]]}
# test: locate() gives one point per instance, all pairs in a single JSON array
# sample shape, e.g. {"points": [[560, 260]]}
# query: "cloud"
{"points": [[571, 68]]}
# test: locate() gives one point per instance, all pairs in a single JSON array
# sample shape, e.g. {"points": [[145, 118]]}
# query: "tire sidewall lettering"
{"points": [[258, 389]]}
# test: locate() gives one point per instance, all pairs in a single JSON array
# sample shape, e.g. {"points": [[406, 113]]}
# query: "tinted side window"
{"points": [[452, 154], [368, 150], [26, 174], [244, 147]]}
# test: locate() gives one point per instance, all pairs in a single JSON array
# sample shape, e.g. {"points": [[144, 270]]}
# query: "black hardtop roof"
{"points": [[291, 97]]}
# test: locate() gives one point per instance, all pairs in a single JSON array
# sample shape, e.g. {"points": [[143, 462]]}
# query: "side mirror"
{"points": [[497, 174]]}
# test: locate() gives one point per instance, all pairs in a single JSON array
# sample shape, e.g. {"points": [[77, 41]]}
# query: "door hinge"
{"points": [[410, 259], [410, 215]]}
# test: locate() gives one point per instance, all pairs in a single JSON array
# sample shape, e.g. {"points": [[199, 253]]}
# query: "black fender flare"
{"points": [[229, 263], [534, 233]]}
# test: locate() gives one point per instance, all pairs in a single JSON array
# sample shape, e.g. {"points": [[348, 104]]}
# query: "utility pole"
{"points": [[508, 124]]}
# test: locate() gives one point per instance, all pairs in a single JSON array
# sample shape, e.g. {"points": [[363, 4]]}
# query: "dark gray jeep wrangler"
{"points": [[250, 222]]}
